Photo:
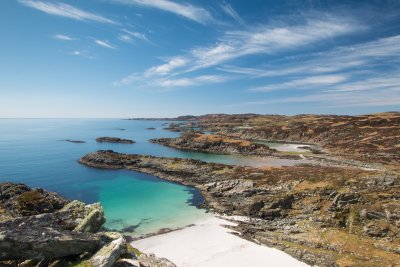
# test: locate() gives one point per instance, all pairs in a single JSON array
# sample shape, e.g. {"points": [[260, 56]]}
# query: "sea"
{"points": [[35, 152]]}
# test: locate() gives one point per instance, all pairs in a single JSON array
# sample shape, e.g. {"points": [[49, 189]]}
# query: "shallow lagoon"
{"points": [[33, 151]]}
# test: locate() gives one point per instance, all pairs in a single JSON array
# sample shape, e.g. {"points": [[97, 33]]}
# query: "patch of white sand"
{"points": [[209, 244], [290, 147]]}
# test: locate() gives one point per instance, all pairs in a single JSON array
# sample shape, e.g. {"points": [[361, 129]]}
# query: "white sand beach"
{"points": [[209, 244], [290, 147]]}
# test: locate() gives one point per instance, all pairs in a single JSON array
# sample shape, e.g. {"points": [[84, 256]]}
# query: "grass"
{"points": [[133, 250], [29, 196], [84, 263]]}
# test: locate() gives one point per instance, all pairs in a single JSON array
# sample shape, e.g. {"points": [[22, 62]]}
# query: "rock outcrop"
{"points": [[40, 228], [114, 140], [220, 144]]}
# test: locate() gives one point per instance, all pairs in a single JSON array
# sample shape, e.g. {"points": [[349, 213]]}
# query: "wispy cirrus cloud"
{"points": [[130, 36], [80, 54], [228, 9], [351, 60], [168, 83], [308, 82], [193, 81], [105, 44], [188, 11], [63, 37], [267, 39], [375, 89], [168, 67], [65, 10], [333, 99]]}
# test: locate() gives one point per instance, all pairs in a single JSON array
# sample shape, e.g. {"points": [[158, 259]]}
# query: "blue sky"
{"points": [[160, 58]]}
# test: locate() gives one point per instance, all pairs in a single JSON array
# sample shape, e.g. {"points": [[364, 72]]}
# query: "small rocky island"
{"points": [[213, 143], [40, 228], [75, 141], [114, 140]]}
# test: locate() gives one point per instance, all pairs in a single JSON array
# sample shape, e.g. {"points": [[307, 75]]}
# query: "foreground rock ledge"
{"points": [[327, 216], [40, 228]]}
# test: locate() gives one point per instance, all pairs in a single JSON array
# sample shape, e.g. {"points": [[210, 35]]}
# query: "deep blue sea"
{"points": [[34, 152]]}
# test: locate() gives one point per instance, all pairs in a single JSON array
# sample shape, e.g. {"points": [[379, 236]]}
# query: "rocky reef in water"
{"points": [[114, 140], [75, 141], [213, 143], [40, 228], [325, 216]]}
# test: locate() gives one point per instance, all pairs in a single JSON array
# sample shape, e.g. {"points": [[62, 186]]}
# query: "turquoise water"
{"points": [[32, 151]]}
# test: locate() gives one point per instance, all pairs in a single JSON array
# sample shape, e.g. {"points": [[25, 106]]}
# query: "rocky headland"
{"points": [[372, 138], [114, 140], [327, 216], [220, 144], [40, 228]]}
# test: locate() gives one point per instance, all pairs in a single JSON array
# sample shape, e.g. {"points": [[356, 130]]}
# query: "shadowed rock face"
{"points": [[321, 215], [20, 200], [114, 140]]}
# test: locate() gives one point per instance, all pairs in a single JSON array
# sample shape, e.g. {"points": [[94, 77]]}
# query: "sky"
{"points": [[164, 58]]}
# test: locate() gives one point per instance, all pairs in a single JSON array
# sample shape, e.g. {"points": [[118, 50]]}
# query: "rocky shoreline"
{"points": [[369, 138], [326, 216], [221, 145], [40, 228]]}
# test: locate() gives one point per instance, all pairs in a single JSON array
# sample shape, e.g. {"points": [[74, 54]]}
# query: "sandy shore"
{"points": [[291, 147], [209, 244]]}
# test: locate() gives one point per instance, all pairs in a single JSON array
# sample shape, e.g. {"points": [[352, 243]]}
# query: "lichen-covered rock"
{"points": [[20, 200], [152, 261], [110, 252], [37, 237], [93, 220], [37, 225]]}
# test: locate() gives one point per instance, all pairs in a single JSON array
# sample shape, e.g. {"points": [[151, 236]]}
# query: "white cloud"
{"points": [[259, 40], [81, 54], [166, 68], [376, 83], [104, 44], [65, 10], [63, 37], [228, 9], [268, 40], [128, 80], [197, 14], [125, 38], [358, 57], [329, 100], [365, 92], [308, 82], [137, 35], [183, 82]]}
